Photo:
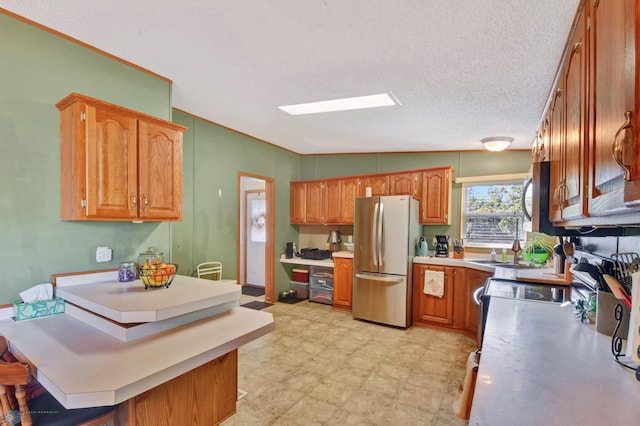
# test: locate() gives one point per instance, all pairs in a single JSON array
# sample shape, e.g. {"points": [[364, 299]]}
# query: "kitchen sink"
{"points": [[509, 265]]}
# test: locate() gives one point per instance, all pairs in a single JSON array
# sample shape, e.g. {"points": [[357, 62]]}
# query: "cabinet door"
{"points": [[342, 282], [348, 194], [111, 167], [297, 200], [405, 184], [334, 201], [159, 171], [572, 192], [556, 154], [428, 308], [612, 86], [316, 196], [379, 185], [435, 200], [473, 279]]}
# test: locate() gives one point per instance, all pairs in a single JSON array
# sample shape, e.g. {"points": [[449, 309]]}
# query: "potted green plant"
{"points": [[537, 249]]}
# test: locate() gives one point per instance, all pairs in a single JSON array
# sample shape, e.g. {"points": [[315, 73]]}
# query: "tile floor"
{"points": [[321, 367]]}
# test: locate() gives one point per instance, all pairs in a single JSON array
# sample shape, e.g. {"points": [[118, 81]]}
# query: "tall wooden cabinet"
{"points": [[342, 282], [118, 164]]}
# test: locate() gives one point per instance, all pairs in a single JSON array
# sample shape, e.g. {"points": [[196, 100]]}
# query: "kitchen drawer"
{"points": [[321, 295], [322, 283]]}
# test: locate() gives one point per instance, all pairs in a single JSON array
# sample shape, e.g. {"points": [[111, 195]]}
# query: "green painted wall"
{"points": [[37, 69], [213, 157]]}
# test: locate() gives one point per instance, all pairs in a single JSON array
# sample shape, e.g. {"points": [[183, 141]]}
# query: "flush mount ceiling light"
{"points": [[496, 143], [360, 102]]}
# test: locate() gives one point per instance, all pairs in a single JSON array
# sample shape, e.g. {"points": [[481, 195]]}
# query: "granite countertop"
{"points": [[539, 365]]}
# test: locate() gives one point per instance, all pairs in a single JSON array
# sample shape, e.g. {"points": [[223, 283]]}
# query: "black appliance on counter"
{"points": [[442, 246], [314, 254]]}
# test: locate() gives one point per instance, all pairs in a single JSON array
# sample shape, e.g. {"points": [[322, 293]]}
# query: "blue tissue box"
{"points": [[41, 308]]}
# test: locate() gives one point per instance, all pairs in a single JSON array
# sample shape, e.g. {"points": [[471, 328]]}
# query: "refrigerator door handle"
{"points": [[375, 277], [379, 246], [374, 235]]}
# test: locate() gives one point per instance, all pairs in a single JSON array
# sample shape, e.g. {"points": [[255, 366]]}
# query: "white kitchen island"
{"points": [[192, 365]]}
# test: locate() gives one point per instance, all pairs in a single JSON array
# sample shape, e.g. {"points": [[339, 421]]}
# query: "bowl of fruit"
{"points": [[156, 273]]}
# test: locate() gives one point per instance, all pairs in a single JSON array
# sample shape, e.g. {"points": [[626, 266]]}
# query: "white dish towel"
{"points": [[434, 283]]}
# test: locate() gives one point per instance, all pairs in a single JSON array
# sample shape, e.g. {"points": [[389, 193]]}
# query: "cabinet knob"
{"points": [[135, 201], [145, 202], [618, 146]]}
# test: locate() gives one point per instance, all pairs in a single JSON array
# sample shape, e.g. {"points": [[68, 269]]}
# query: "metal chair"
{"points": [[213, 270], [43, 409]]}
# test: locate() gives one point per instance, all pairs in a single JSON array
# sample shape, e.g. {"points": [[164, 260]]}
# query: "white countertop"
{"points": [[541, 366], [84, 367], [327, 263], [343, 254], [450, 261], [130, 302]]}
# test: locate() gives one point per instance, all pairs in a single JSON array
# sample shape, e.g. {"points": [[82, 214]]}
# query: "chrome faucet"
{"points": [[516, 244]]}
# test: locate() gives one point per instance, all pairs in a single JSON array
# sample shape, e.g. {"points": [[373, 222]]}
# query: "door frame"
{"points": [[269, 189]]}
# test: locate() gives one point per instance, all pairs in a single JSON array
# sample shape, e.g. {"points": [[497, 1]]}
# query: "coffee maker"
{"points": [[442, 246]]}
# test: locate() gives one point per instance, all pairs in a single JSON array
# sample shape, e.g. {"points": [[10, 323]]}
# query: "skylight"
{"points": [[360, 102]]}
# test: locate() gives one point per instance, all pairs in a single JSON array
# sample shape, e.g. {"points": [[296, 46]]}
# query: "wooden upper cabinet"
{"points": [[118, 164], [571, 193], [333, 190], [316, 202], [435, 198], [332, 201], [297, 200], [159, 171], [613, 77], [348, 195], [406, 184], [379, 185], [556, 153]]}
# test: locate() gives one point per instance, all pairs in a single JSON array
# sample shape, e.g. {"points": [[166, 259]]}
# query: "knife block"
{"points": [[458, 254]]}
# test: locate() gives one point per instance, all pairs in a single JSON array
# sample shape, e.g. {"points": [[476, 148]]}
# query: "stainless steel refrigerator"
{"points": [[385, 232]]}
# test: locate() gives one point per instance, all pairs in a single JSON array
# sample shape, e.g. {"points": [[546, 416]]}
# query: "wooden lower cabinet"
{"points": [[456, 310], [203, 396], [472, 279], [432, 309], [342, 282]]}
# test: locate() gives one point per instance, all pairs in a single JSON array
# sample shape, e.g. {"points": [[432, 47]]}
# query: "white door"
{"points": [[256, 237]]}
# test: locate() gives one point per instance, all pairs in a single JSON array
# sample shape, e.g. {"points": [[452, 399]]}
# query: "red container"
{"points": [[301, 275]]}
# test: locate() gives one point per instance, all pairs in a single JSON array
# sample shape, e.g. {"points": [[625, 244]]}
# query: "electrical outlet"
{"points": [[103, 254]]}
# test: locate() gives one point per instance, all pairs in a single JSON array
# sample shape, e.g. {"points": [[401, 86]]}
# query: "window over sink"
{"points": [[491, 209]]}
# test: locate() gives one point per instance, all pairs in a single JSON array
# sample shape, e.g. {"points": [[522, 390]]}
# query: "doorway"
{"points": [[256, 233]]}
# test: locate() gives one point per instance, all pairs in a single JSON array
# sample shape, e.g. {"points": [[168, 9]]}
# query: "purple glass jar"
{"points": [[127, 271]]}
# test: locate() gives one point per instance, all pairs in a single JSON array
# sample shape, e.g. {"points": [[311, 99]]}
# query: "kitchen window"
{"points": [[490, 209]]}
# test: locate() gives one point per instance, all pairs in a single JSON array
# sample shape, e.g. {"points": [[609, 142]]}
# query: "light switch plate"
{"points": [[103, 254]]}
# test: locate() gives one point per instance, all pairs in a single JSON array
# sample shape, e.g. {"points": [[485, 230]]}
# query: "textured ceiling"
{"points": [[463, 70]]}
